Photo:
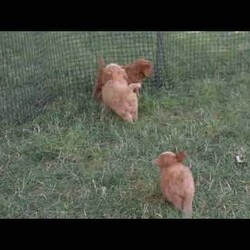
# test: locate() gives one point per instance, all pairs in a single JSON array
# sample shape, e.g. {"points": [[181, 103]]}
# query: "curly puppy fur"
{"points": [[176, 181], [117, 94], [136, 72]]}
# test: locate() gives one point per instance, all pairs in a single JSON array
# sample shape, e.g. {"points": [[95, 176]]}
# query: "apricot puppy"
{"points": [[118, 95], [176, 181], [136, 72]]}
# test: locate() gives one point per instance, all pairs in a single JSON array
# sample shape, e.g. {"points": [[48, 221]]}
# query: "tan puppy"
{"points": [[176, 181], [136, 72], [117, 94]]}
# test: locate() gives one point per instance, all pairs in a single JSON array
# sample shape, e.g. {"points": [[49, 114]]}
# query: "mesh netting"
{"points": [[39, 67]]}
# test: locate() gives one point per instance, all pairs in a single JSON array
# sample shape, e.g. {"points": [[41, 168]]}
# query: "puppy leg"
{"points": [[135, 115], [187, 207], [128, 117], [124, 114], [137, 91], [177, 201], [133, 108], [135, 87]]}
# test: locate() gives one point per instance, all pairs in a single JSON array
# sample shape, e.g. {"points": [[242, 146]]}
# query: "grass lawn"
{"points": [[76, 162]]}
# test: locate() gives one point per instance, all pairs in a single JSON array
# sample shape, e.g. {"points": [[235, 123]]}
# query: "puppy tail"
{"points": [[187, 208], [99, 84], [101, 63]]}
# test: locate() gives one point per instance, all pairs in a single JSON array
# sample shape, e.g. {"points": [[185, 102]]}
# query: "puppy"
{"points": [[117, 94], [136, 72], [176, 181]]}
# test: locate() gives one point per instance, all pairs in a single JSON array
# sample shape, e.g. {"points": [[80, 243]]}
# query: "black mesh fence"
{"points": [[36, 68]]}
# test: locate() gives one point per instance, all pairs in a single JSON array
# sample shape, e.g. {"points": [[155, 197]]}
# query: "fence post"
{"points": [[160, 66]]}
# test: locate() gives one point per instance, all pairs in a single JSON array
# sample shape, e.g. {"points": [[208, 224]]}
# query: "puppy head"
{"points": [[144, 66], [113, 71], [139, 69], [167, 158]]}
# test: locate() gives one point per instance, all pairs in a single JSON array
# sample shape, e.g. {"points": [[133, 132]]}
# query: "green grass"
{"points": [[74, 161]]}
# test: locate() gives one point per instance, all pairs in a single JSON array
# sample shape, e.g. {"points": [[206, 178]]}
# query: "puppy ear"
{"points": [[147, 69], [181, 156]]}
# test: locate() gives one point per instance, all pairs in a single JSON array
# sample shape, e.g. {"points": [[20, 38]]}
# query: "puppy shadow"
{"points": [[154, 198], [157, 199]]}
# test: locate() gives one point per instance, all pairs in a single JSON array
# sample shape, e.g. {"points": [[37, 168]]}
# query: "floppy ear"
{"points": [[181, 156], [147, 69]]}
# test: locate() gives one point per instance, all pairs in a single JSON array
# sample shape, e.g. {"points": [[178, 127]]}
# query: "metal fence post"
{"points": [[160, 66]]}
